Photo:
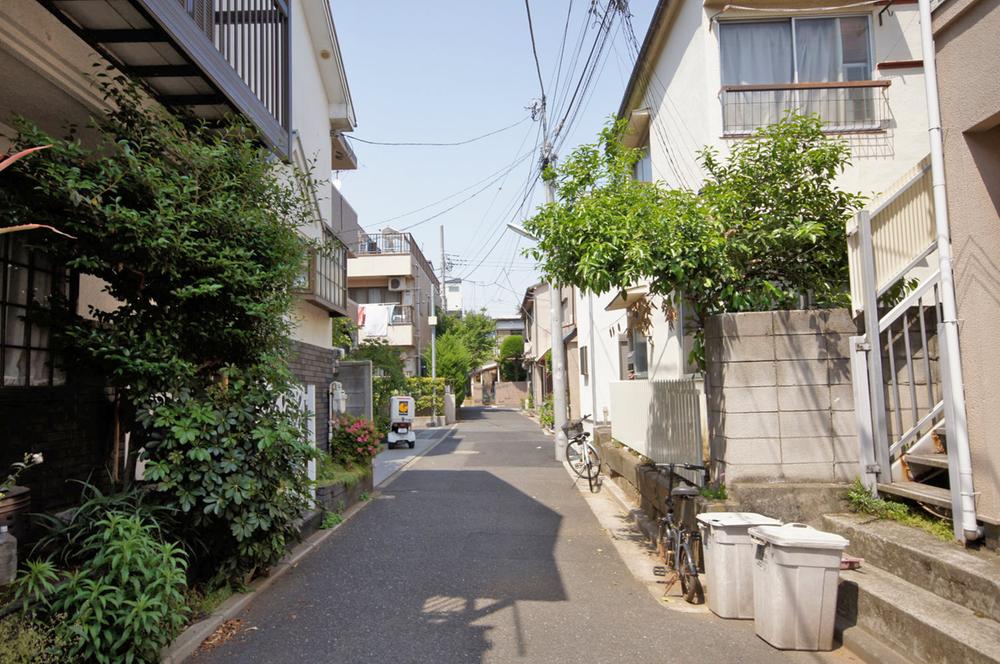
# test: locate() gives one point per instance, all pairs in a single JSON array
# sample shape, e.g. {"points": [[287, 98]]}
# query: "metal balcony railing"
{"points": [[392, 244], [844, 106], [206, 56], [401, 314], [253, 37]]}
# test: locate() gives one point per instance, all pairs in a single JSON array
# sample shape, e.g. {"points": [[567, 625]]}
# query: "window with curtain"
{"points": [[28, 280], [797, 50]]}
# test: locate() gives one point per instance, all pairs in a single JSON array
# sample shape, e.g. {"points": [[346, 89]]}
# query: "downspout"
{"points": [[964, 505]]}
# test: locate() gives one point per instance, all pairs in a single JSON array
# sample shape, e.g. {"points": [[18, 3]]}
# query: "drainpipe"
{"points": [[964, 505]]}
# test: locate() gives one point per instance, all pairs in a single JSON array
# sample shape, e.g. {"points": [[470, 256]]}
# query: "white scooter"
{"points": [[401, 410]]}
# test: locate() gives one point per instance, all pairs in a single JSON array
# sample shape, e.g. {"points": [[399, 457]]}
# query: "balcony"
{"points": [[210, 57], [402, 314], [389, 243], [844, 106], [323, 282]]}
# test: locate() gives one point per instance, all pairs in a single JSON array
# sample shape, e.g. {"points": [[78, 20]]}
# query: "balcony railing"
{"points": [[401, 314], [371, 244], [844, 106], [253, 37], [207, 56], [392, 244]]}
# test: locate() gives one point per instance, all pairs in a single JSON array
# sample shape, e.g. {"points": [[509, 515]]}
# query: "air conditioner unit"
{"points": [[397, 283]]}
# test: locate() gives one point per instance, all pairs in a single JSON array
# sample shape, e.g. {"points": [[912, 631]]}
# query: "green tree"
{"points": [[454, 362], [511, 354], [194, 231], [767, 226], [477, 331]]}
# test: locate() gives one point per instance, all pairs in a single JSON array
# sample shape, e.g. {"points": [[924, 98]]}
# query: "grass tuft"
{"points": [[331, 519], [864, 503]]}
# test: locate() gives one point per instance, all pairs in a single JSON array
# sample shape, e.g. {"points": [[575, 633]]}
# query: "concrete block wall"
{"points": [[511, 394], [356, 377], [780, 400]]}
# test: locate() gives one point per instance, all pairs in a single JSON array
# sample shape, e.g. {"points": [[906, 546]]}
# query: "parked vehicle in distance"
{"points": [[401, 410]]}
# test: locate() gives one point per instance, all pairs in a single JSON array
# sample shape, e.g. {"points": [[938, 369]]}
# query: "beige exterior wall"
{"points": [[966, 34], [375, 271]]}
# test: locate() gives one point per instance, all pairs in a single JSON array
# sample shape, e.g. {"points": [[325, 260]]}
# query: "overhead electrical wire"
{"points": [[441, 144], [489, 178], [534, 52]]}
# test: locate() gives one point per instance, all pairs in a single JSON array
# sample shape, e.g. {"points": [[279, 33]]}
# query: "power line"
{"points": [[491, 177], [534, 52], [467, 198], [432, 144]]}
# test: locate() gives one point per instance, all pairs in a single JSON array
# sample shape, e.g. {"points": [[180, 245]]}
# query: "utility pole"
{"points": [[556, 315], [592, 364], [444, 274]]}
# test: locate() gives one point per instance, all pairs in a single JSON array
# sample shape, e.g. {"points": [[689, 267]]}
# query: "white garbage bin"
{"points": [[796, 570], [729, 560]]}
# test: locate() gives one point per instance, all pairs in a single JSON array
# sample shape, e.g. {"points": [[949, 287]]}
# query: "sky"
{"points": [[445, 72]]}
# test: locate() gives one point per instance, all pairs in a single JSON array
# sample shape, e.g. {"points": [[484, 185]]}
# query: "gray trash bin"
{"points": [[729, 560], [795, 576]]}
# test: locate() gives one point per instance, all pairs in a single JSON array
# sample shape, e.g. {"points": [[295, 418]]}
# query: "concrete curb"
{"points": [[191, 639]]}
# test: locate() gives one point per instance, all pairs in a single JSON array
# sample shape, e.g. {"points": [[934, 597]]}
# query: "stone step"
{"points": [[923, 493], [965, 577], [917, 623]]}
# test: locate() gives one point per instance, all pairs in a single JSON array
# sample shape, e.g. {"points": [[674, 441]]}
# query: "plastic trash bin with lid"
{"points": [[729, 560], [795, 576]]}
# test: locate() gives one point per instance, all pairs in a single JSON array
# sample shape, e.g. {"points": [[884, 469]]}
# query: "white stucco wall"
{"points": [[683, 97]]}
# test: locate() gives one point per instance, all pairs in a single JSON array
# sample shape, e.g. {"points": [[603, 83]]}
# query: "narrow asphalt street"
{"points": [[483, 550]]}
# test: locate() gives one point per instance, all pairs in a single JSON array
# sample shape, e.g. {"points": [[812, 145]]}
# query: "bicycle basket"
{"points": [[573, 428]]}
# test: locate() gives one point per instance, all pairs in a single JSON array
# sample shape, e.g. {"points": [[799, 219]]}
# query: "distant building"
{"points": [[453, 295], [395, 290]]}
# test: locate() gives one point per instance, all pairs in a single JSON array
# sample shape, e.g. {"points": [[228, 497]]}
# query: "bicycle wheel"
{"points": [[575, 451], [595, 460], [690, 582]]}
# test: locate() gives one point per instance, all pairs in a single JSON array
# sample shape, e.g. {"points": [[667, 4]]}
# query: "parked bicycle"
{"points": [[677, 543], [581, 453]]}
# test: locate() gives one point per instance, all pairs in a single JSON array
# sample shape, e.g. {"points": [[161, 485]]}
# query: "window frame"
{"points": [[795, 51], [798, 87], [60, 279]]}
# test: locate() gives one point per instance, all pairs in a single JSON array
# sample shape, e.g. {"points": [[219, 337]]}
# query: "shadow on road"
{"points": [[424, 574]]}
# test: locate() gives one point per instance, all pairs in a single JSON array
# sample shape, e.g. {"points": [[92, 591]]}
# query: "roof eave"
{"points": [[652, 44]]}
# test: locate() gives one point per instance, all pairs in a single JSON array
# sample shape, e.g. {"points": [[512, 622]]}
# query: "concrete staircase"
{"points": [[931, 602]]}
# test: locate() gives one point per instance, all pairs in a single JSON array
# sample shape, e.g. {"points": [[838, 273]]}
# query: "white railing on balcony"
{"points": [[902, 234], [659, 419]]}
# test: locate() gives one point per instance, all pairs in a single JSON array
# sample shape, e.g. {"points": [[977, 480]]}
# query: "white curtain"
{"points": [[818, 59], [755, 53]]}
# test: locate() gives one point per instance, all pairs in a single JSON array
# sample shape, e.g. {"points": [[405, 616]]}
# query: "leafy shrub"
{"points": [[233, 460], [124, 603], [66, 534], [26, 641], [427, 392], [546, 415], [331, 519], [353, 440], [195, 232], [329, 472]]}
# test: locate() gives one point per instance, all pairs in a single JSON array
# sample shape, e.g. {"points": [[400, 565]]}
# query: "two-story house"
{"points": [[708, 74], [538, 339], [396, 291], [278, 64]]}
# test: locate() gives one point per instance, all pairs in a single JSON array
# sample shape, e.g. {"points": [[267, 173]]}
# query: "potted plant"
{"points": [[16, 500]]}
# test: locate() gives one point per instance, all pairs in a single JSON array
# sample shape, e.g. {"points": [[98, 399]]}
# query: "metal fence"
{"points": [[844, 106], [659, 419]]}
